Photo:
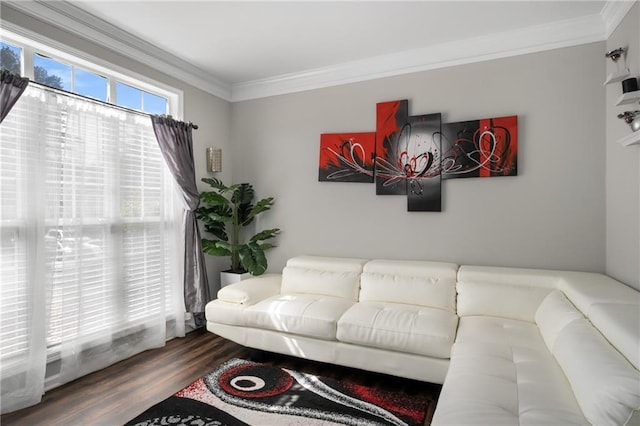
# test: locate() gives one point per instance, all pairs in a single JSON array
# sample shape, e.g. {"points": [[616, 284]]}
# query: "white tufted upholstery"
{"points": [[303, 314], [502, 373], [323, 276], [430, 284], [511, 346], [404, 328], [529, 340]]}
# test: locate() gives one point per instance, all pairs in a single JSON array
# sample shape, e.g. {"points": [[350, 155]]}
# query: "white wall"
{"points": [[551, 215], [622, 165]]}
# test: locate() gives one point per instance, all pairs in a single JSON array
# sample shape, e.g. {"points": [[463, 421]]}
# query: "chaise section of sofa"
{"points": [[528, 353]]}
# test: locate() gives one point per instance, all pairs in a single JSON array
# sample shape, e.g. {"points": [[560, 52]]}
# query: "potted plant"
{"points": [[225, 212]]}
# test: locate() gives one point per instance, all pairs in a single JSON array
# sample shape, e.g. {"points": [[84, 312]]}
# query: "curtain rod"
{"points": [[98, 101]]}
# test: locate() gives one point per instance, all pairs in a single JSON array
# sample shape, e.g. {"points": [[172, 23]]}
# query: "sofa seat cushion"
{"points": [[303, 314], [501, 373], [405, 328]]}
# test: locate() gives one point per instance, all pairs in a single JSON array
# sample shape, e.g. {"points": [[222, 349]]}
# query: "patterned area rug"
{"points": [[246, 393]]}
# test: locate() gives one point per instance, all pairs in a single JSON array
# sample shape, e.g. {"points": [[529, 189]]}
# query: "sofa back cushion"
{"points": [[510, 276], [612, 307], [586, 289], [553, 314], [499, 300], [327, 276], [513, 293], [605, 384], [420, 283], [620, 322]]}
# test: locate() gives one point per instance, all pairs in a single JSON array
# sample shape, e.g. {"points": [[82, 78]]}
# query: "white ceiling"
{"points": [[241, 41], [240, 49]]}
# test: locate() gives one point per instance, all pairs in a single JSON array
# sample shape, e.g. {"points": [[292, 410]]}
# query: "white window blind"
{"points": [[88, 232]]}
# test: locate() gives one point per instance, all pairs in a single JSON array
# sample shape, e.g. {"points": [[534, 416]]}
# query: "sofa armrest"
{"points": [[252, 290]]}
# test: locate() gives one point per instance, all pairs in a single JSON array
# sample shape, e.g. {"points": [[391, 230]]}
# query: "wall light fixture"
{"points": [[214, 160]]}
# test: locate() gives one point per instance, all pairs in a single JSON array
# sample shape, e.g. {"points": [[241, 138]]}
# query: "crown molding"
{"points": [[74, 20], [522, 41], [613, 12], [70, 18]]}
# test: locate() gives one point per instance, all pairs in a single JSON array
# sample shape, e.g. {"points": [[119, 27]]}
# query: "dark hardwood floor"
{"points": [[122, 391]]}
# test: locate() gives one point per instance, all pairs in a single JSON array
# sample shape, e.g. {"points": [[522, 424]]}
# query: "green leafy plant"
{"points": [[225, 212]]}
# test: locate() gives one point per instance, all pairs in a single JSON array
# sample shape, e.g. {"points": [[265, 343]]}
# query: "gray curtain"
{"points": [[11, 88], [176, 143]]}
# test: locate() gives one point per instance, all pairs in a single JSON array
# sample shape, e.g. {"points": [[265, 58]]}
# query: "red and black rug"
{"points": [[246, 393]]}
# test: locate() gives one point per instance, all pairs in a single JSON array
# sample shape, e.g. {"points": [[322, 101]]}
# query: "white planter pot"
{"points": [[227, 278]]}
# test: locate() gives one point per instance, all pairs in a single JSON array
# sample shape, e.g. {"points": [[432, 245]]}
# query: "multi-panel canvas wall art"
{"points": [[411, 155], [347, 157]]}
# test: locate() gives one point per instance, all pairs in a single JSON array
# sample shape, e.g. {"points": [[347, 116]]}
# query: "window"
{"points": [[134, 98], [11, 58], [63, 71], [87, 220], [154, 104], [88, 229], [128, 96], [51, 72], [90, 85]]}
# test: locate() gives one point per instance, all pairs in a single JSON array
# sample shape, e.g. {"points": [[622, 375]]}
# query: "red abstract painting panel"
{"points": [[391, 128], [347, 157]]}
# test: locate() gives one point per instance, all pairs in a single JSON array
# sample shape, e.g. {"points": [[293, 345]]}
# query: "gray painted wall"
{"points": [[622, 165], [550, 216]]}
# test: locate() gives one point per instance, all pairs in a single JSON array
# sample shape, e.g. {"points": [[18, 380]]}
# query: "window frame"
{"points": [[32, 42]]}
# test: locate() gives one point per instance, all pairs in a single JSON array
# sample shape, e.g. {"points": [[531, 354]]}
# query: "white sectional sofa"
{"points": [[510, 346]]}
